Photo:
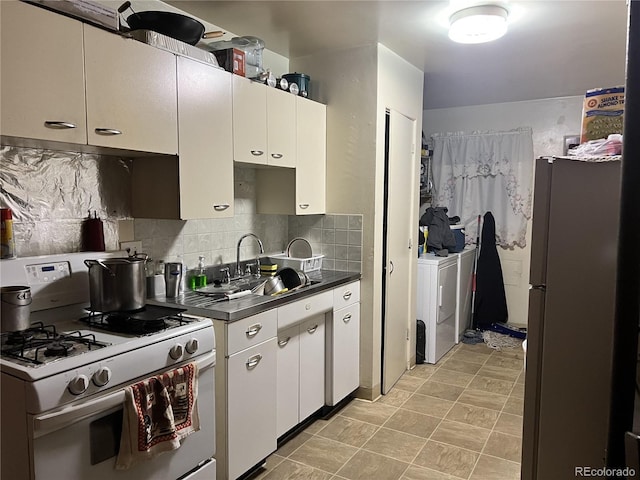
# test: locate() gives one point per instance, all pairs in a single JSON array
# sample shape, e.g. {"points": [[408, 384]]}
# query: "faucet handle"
{"points": [[226, 278], [249, 268]]}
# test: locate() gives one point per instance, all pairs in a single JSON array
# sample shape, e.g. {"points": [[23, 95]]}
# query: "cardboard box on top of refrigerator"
{"points": [[602, 113]]}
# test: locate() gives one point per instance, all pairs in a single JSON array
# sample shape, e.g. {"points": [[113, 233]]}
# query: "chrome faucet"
{"points": [[238, 272]]}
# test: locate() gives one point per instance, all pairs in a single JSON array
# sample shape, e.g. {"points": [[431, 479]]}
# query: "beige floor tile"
{"points": [[436, 407], [408, 383], [514, 352], [491, 468], [471, 356], [451, 377], [288, 470], [440, 390], [521, 377], [504, 446], [324, 454], [272, 462], [394, 444], [293, 443], [480, 348], [493, 385], [461, 366], [498, 373], [508, 423], [371, 412], [413, 422], [317, 425], [483, 399], [472, 415], [505, 362], [419, 473], [366, 466], [395, 397], [461, 435], [448, 459], [518, 390], [349, 431], [514, 405], [422, 370]]}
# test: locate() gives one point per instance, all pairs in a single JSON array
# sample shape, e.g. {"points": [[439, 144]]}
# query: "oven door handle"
{"points": [[50, 422]]}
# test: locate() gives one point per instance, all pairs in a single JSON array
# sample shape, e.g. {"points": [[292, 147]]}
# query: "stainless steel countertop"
{"points": [[239, 308]]}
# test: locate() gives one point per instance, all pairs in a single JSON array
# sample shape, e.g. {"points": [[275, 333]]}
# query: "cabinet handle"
{"points": [[277, 155], [221, 206], [253, 330], [346, 318], [107, 131], [284, 341], [303, 205], [312, 329], [59, 125], [440, 296], [253, 362], [257, 153], [347, 295]]}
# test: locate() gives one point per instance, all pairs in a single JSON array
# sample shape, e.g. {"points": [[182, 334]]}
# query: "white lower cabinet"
{"points": [[252, 401], [301, 372]]}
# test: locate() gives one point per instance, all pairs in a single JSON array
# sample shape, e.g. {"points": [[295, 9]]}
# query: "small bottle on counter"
{"points": [[201, 276], [7, 241]]}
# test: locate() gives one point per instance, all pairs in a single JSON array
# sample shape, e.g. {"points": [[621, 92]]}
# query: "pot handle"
{"points": [[90, 263]]}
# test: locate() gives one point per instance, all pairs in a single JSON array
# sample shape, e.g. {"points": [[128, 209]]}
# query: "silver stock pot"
{"points": [[117, 284]]}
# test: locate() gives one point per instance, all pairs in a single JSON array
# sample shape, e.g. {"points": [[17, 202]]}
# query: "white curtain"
{"points": [[480, 172]]}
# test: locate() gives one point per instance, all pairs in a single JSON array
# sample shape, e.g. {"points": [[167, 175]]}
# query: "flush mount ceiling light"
{"points": [[479, 24]]}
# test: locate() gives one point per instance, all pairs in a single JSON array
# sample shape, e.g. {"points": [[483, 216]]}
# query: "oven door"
{"points": [[81, 441]]}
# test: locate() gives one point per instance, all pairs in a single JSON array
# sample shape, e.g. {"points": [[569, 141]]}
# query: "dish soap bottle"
{"points": [[201, 276]]}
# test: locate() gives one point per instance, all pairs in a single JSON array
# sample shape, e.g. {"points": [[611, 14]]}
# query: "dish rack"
{"points": [[311, 264]]}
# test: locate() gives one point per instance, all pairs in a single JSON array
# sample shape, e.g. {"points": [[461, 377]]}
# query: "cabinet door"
{"points": [[251, 406], [131, 94], [249, 121], [311, 366], [311, 157], [205, 140], [344, 375], [42, 75], [288, 380], [281, 129]]}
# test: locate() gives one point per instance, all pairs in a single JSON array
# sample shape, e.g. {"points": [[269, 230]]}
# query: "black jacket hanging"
{"points": [[490, 301]]}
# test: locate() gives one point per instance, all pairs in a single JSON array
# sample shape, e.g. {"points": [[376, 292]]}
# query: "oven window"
{"points": [[104, 437]]}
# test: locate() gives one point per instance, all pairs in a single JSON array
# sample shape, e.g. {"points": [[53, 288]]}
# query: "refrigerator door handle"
{"points": [[542, 287]]}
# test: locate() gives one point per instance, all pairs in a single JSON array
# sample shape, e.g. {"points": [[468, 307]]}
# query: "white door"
{"points": [[399, 228]]}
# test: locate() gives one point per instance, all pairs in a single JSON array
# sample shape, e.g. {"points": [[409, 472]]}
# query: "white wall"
{"points": [[551, 119]]}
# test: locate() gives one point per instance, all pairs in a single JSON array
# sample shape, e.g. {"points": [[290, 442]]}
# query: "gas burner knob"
{"points": [[102, 376], [192, 345], [176, 351], [78, 385]]}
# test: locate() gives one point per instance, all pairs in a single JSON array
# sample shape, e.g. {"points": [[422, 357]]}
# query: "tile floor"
{"points": [[459, 419]]}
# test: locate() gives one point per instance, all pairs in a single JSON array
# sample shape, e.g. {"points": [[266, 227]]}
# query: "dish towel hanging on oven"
{"points": [[158, 413]]}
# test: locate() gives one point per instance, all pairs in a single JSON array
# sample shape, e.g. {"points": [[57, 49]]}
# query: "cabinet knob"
{"points": [[253, 361], [284, 341], [312, 329], [221, 206], [346, 318], [108, 131], [277, 155], [347, 295], [303, 205], [253, 330], [59, 125], [256, 153]]}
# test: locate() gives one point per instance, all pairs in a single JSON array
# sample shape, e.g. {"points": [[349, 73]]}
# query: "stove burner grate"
{"points": [[57, 349], [150, 320]]}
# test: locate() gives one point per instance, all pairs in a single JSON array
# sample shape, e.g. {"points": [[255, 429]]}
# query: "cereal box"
{"points": [[602, 113]]}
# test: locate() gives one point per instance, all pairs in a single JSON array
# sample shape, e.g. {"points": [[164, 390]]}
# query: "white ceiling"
{"points": [[553, 48]]}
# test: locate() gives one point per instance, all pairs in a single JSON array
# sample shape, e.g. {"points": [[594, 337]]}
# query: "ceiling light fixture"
{"points": [[479, 24]]}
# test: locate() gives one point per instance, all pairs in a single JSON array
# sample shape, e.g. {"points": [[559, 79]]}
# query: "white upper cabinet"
{"points": [[311, 133], [131, 94], [263, 124], [42, 75], [205, 141]]}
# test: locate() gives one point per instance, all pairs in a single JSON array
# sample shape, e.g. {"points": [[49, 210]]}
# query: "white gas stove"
{"points": [[68, 373]]}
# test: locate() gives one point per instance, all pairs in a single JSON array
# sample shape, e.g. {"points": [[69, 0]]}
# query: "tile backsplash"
{"points": [[51, 193]]}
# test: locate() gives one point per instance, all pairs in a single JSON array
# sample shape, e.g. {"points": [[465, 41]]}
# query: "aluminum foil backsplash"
{"points": [[51, 193]]}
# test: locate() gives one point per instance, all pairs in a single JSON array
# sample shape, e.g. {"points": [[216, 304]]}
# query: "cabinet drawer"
{"points": [[295, 312], [251, 331], [346, 295]]}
